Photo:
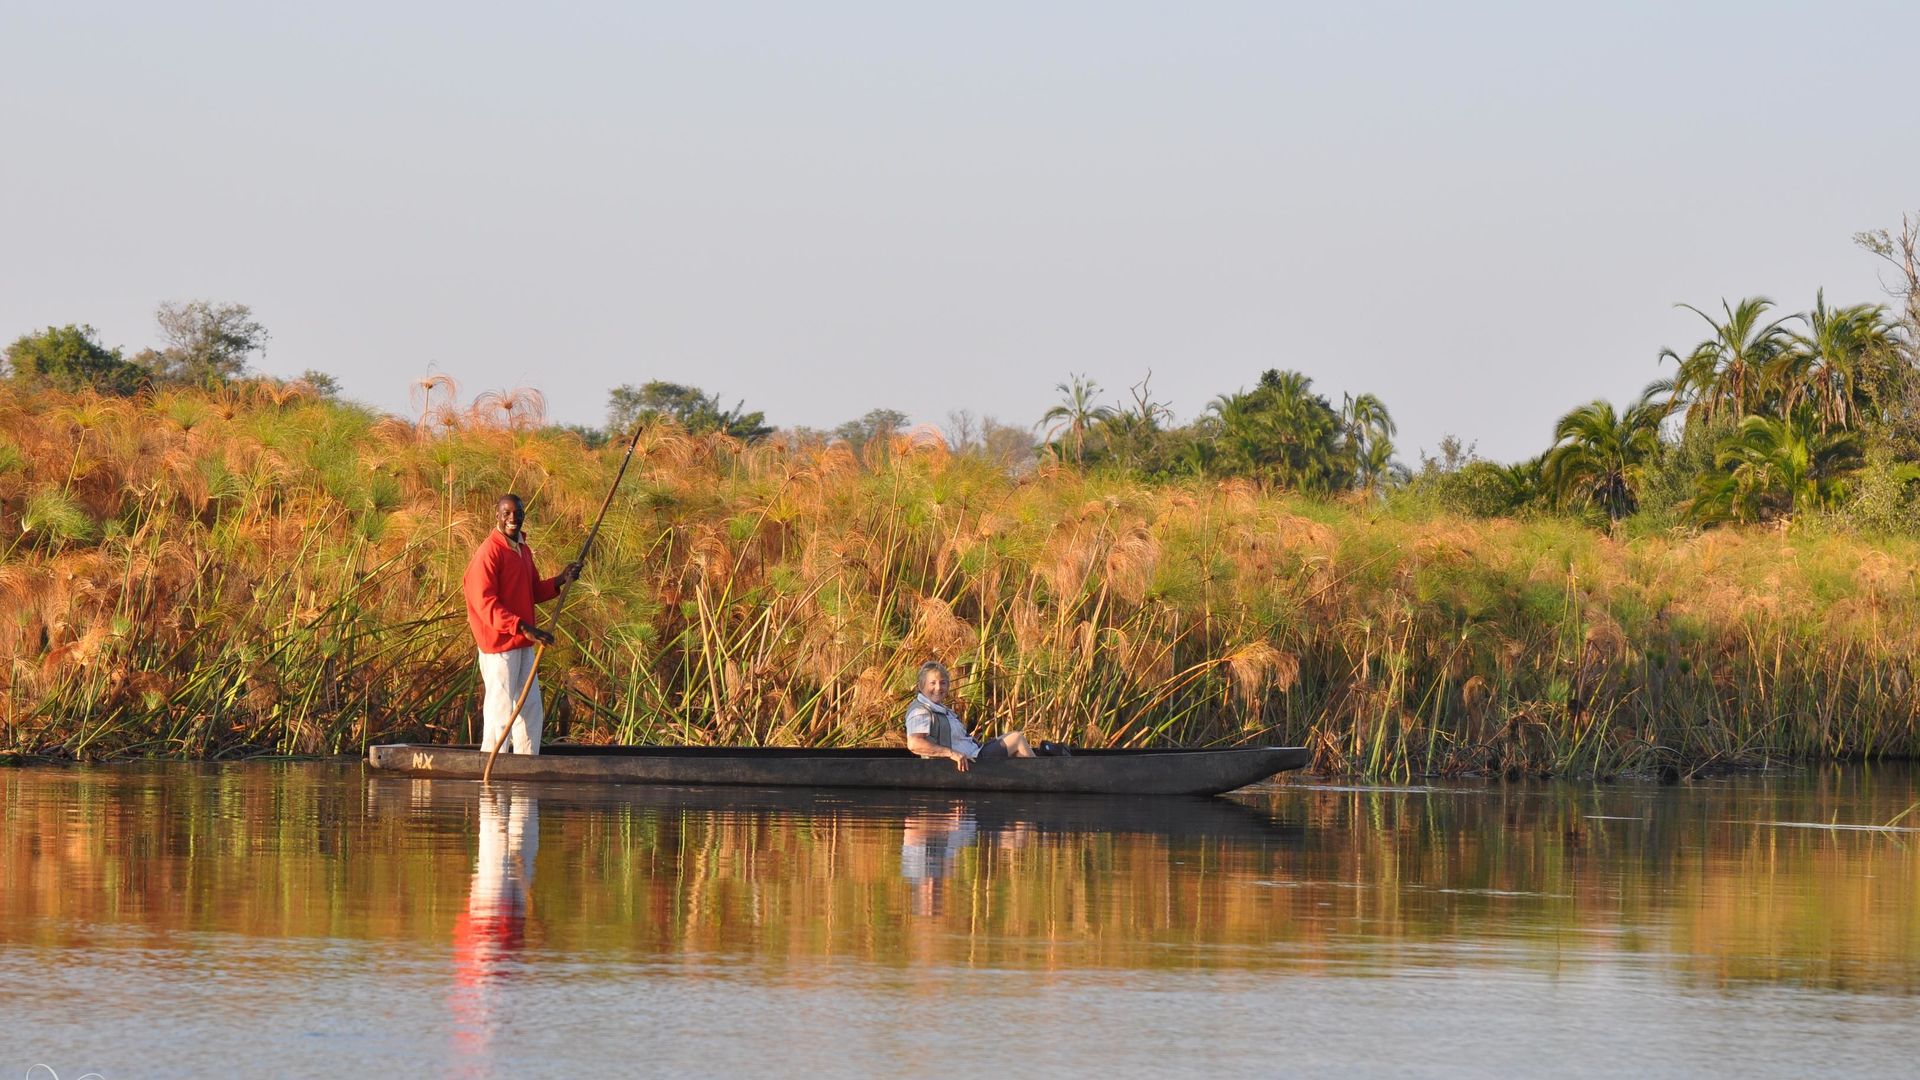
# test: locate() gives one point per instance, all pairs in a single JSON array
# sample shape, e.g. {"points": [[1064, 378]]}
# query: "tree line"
{"points": [[203, 343], [1768, 415]]}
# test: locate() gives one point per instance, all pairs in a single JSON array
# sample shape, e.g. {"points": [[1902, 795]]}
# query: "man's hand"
{"points": [[961, 761], [571, 574], [534, 632]]}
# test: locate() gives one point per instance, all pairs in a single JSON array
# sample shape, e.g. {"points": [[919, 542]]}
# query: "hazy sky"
{"points": [[1482, 212]]}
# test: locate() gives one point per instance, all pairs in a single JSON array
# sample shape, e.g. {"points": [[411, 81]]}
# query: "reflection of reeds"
{"points": [[191, 573], [1556, 876]]}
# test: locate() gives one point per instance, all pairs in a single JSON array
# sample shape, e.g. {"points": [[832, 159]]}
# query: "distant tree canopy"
{"points": [[1006, 445], [690, 407], [1078, 414], [1791, 404], [1279, 433], [1770, 414], [70, 357], [1767, 416], [205, 342], [323, 384], [1283, 433], [593, 437], [876, 423]]}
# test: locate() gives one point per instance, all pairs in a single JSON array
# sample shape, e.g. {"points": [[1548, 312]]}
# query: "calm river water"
{"points": [[268, 920]]}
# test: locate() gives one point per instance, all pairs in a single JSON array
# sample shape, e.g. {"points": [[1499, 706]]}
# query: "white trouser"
{"points": [[504, 674], [509, 841]]}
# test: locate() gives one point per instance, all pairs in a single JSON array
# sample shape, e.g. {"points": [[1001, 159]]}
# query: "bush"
{"points": [[1884, 498], [1670, 484], [70, 358]]}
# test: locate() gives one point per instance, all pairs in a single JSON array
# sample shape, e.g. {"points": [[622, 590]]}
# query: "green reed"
{"points": [[253, 571]]}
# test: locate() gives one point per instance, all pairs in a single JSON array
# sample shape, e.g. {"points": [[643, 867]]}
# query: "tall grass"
{"points": [[196, 574]]}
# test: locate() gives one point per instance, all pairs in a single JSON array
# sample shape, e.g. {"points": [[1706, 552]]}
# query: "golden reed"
{"points": [[250, 570]]}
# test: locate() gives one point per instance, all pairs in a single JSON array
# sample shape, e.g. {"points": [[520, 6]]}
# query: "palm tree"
{"points": [[1369, 413], [1728, 373], [1283, 433], [1829, 366], [1377, 467], [1371, 430], [1773, 466], [1600, 457], [1521, 481], [1079, 410]]}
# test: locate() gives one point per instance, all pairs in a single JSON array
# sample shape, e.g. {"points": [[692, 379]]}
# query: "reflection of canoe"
{"points": [[994, 812], [1088, 772]]}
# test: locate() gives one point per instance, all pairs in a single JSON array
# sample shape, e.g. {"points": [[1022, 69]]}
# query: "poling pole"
{"points": [[560, 601]]}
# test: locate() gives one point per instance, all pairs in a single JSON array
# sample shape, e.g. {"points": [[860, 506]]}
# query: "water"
{"points": [[311, 920]]}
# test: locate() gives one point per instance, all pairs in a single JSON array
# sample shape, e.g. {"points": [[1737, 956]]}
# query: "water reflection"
{"points": [[927, 849], [1714, 889], [490, 934], [1698, 879]]}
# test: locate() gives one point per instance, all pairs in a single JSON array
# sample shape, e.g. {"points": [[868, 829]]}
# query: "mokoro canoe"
{"points": [[1087, 772]]}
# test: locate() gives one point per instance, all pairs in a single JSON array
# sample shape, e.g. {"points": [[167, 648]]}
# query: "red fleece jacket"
{"points": [[501, 588]]}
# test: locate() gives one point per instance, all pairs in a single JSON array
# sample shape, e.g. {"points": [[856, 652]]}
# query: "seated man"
{"points": [[935, 731]]}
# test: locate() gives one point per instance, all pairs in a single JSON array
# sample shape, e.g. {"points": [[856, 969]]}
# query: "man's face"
{"points": [[507, 517]]}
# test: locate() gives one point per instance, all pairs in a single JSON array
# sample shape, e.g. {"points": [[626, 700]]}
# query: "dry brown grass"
{"points": [[261, 570]]}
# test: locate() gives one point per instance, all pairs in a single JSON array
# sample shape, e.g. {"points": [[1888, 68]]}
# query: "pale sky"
{"points": [[1481, 212]]}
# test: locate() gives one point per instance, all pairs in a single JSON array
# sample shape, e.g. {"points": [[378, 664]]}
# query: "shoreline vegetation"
{"points": [[209, 564]]}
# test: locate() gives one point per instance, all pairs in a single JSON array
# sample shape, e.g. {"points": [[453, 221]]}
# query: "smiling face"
{"points": [[934, 684], [508, 516]]}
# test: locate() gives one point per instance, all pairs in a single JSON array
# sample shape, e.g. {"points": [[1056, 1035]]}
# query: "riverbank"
{"points": [[192, 574]]}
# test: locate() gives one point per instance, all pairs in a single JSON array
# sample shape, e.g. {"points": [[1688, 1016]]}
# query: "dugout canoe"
{"points": [[1087, 772]]}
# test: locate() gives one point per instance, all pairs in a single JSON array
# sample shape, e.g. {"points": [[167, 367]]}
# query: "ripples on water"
{"points": [[311, 920]]}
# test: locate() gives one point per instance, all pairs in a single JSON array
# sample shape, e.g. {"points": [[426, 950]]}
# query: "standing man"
{"points": [[501, 588]]}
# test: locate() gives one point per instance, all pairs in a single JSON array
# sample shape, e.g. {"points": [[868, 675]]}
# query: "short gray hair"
{"points": [[928, 668]]}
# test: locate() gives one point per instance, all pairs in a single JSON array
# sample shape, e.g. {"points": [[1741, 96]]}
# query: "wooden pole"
{"points": [[560, 601]]}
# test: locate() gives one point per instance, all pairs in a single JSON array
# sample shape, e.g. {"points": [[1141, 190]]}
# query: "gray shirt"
{"points": [[920, 721]]}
